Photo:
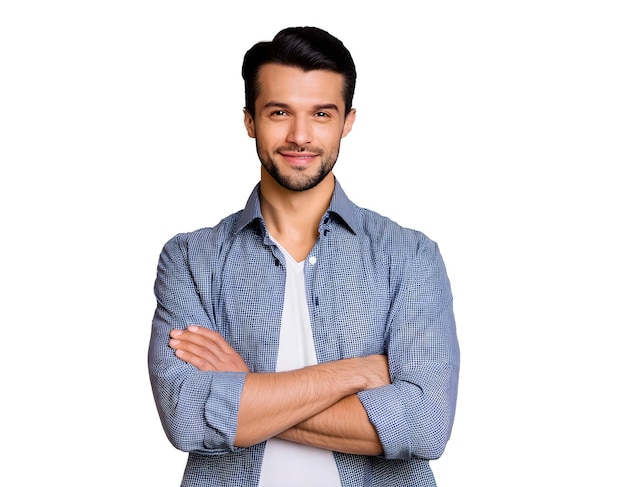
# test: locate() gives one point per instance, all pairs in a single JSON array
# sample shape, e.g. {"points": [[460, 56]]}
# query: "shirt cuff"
{"points": [[222, 410], [385, 411]]}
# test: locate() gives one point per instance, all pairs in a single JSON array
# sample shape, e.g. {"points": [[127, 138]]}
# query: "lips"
{"points": [[298, 154], [298, 158]]}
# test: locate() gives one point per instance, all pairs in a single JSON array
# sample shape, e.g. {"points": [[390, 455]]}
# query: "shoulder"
{"points": [[206, 238], [388, 236], [409, 255]]}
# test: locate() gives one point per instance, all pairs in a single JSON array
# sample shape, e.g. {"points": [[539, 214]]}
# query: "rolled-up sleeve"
{"points": [[414, 414], [198, 409]]}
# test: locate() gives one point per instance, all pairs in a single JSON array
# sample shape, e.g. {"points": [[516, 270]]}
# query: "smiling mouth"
{"points": [[298, 156]]}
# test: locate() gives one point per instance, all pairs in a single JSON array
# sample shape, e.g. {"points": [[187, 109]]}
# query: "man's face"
{"points": [[299, 123]]}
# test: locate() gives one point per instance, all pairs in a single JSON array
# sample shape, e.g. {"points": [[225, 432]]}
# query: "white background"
{"points": [[497, 128]]}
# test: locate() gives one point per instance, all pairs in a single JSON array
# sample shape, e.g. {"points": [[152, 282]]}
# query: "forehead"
{"points": [[290, 85]]}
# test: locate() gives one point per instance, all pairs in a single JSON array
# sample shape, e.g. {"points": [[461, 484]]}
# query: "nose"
{"points": [[300, 131]]}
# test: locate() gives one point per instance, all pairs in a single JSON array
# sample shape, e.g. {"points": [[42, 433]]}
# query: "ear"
{"points": [[248, 121], [347, 124]]}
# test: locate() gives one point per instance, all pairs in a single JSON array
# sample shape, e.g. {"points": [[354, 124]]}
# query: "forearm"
{"points": [[274, 402], [271, 403], [343, 427]]}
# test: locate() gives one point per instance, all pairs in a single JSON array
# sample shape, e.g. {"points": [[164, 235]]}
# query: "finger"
{"points": [[201, 350], [197, 334], [206, 360], [210, 338], [198, 362], [206, 350], [202, 356], [200, 339], [210, 335]]}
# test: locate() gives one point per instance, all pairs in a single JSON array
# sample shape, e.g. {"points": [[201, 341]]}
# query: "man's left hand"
{"points": [[206, 350]]}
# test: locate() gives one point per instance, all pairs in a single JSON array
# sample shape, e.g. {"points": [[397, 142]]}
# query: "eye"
{"points": [[278, 113], [321, 114]]}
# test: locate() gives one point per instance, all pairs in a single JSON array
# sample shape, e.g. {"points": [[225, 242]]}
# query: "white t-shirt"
{"points": [[286, 463]]}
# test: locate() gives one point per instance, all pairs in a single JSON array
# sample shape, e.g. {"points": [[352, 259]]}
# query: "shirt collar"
{"points": [[340, 206]]}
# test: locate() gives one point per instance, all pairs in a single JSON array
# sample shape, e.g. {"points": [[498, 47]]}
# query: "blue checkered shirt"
{"points": [[372, 288]]}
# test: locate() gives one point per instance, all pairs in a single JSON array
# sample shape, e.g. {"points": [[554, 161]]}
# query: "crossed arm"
{"points": [[315, 405]]}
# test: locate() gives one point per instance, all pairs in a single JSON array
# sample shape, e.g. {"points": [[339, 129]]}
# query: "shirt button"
{"points": [[312, 260]]}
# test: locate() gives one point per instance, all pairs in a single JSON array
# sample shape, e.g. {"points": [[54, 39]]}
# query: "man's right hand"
{"points": [[377, 369]]}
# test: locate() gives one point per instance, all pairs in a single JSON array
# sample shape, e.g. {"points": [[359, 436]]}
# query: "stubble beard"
{"points": [[299, 180]]}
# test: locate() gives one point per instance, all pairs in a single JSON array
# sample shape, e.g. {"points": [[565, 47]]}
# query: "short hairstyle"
{"points": [[307, 48]]}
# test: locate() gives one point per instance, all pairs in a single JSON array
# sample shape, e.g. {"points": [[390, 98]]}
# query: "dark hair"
{"points": [[307, 48]]}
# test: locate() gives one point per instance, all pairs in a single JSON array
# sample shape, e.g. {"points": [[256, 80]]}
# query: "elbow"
{"points": [[419, 445], [432, 439], [431, 448], [191, 433], [180, 437], [424, 442], [185, 440], [178, 443], [197, 411]]}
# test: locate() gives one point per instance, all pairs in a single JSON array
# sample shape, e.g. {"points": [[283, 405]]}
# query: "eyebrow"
{"points": [[327, 106], [323, 106]]}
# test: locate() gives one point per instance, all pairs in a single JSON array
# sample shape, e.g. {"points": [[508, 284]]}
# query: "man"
{"points": [[303, 340]]}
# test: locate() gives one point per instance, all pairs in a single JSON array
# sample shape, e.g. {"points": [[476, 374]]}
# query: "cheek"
{"points": [[331, 138], [270, 135]]}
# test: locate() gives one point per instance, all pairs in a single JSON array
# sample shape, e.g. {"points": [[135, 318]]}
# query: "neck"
{"points": [[293, 217]]}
